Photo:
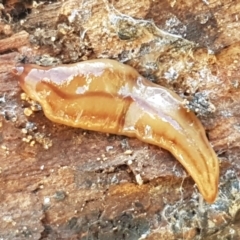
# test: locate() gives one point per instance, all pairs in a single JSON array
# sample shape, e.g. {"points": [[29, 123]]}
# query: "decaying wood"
{"points": [[14, 42], [58, 182]]}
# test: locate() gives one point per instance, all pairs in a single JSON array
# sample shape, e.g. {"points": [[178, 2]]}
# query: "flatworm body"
{"points": [[107, 96]]}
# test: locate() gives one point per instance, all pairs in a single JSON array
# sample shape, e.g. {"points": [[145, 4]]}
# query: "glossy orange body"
{"points": [[107, 96]]}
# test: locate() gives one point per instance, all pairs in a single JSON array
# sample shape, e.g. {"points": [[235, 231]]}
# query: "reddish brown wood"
{"points": [[58, 182]]}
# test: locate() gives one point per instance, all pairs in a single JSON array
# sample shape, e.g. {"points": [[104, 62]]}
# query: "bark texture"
{"points": [[58, 182]]}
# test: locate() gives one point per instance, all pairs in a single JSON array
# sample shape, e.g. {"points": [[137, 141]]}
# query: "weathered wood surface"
{"points": [[58, 182]]}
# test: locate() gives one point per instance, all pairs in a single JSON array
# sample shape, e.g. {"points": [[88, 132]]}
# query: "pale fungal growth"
{"points": [[118, 100], [128, 152], [28, 112]]}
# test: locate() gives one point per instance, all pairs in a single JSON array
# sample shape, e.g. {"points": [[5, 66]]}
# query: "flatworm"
{"points": [[107, 96]]}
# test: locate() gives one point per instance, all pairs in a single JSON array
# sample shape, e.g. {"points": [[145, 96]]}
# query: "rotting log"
{"points": [[58, 182]]}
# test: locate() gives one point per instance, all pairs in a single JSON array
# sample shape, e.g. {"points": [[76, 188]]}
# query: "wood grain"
{"points": [[94, 186]]}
